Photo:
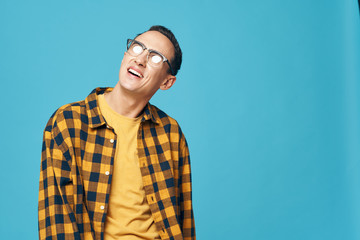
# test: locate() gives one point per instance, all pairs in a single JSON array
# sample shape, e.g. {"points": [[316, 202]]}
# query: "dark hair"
{"points": [[177, 59]]}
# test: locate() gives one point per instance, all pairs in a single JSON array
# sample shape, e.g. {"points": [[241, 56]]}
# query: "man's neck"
{"points": [[124, 104]]}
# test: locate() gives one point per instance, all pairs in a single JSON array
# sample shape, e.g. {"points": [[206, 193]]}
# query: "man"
{"points": [[113, 165]]}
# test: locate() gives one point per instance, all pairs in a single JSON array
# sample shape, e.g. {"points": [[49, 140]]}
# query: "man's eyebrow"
{"points": [[149, 49]]}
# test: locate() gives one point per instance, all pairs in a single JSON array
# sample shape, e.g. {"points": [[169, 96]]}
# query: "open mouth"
{"points": [[135, 73]]}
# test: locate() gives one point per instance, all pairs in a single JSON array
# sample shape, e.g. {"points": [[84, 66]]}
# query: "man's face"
{"points": [[151, 78]]}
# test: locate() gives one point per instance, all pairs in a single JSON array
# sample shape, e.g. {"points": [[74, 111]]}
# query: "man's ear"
{"points": [[168, 82]]}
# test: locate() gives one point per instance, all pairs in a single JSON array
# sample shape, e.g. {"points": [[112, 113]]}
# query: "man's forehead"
{"points": [[157, 41]]}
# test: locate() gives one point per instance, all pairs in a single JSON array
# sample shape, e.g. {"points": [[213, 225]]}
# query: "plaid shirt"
{"points": [[77, 163]]}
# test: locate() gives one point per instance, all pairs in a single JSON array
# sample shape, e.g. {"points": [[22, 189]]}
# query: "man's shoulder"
{"points": [[85, 106], [163, 117], [170, 125], [70, 111]]}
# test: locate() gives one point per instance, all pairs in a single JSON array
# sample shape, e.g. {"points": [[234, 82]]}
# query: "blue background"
{"points": [[268, 96]]}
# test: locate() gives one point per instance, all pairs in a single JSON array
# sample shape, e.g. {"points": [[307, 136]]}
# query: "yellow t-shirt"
{"points": [[128, 216]]}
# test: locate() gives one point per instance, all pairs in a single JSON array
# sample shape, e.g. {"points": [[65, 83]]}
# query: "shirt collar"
{"points": [[95, 117]]}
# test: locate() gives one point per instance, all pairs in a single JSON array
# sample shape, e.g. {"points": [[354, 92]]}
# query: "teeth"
{"points": [[135, 72]]}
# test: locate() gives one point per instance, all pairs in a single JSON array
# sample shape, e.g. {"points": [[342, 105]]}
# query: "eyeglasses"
{"points": [[154, 58]]}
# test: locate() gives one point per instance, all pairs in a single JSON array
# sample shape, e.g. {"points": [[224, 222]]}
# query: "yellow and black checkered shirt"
{"points": [[77, 164]]}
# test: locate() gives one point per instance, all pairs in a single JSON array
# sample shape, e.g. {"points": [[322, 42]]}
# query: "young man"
{"points": [[113, 165]]}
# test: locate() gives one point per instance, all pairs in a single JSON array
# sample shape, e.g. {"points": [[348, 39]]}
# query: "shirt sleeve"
{"points": [[56, 219], [186, 209]]}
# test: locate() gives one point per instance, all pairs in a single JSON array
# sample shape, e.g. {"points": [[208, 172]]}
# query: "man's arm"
{"points": [[186, 209], [55, 210]]}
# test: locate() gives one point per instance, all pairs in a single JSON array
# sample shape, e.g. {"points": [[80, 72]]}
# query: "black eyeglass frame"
{"points": [[131, 41]]}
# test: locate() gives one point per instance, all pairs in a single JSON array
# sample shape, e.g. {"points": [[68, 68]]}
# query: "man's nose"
{"points": [[142, 58]]}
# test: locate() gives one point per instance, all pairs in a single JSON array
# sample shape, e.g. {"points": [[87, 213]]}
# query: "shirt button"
{"points": [[112, 140], [107, 173], [102, 207]]}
